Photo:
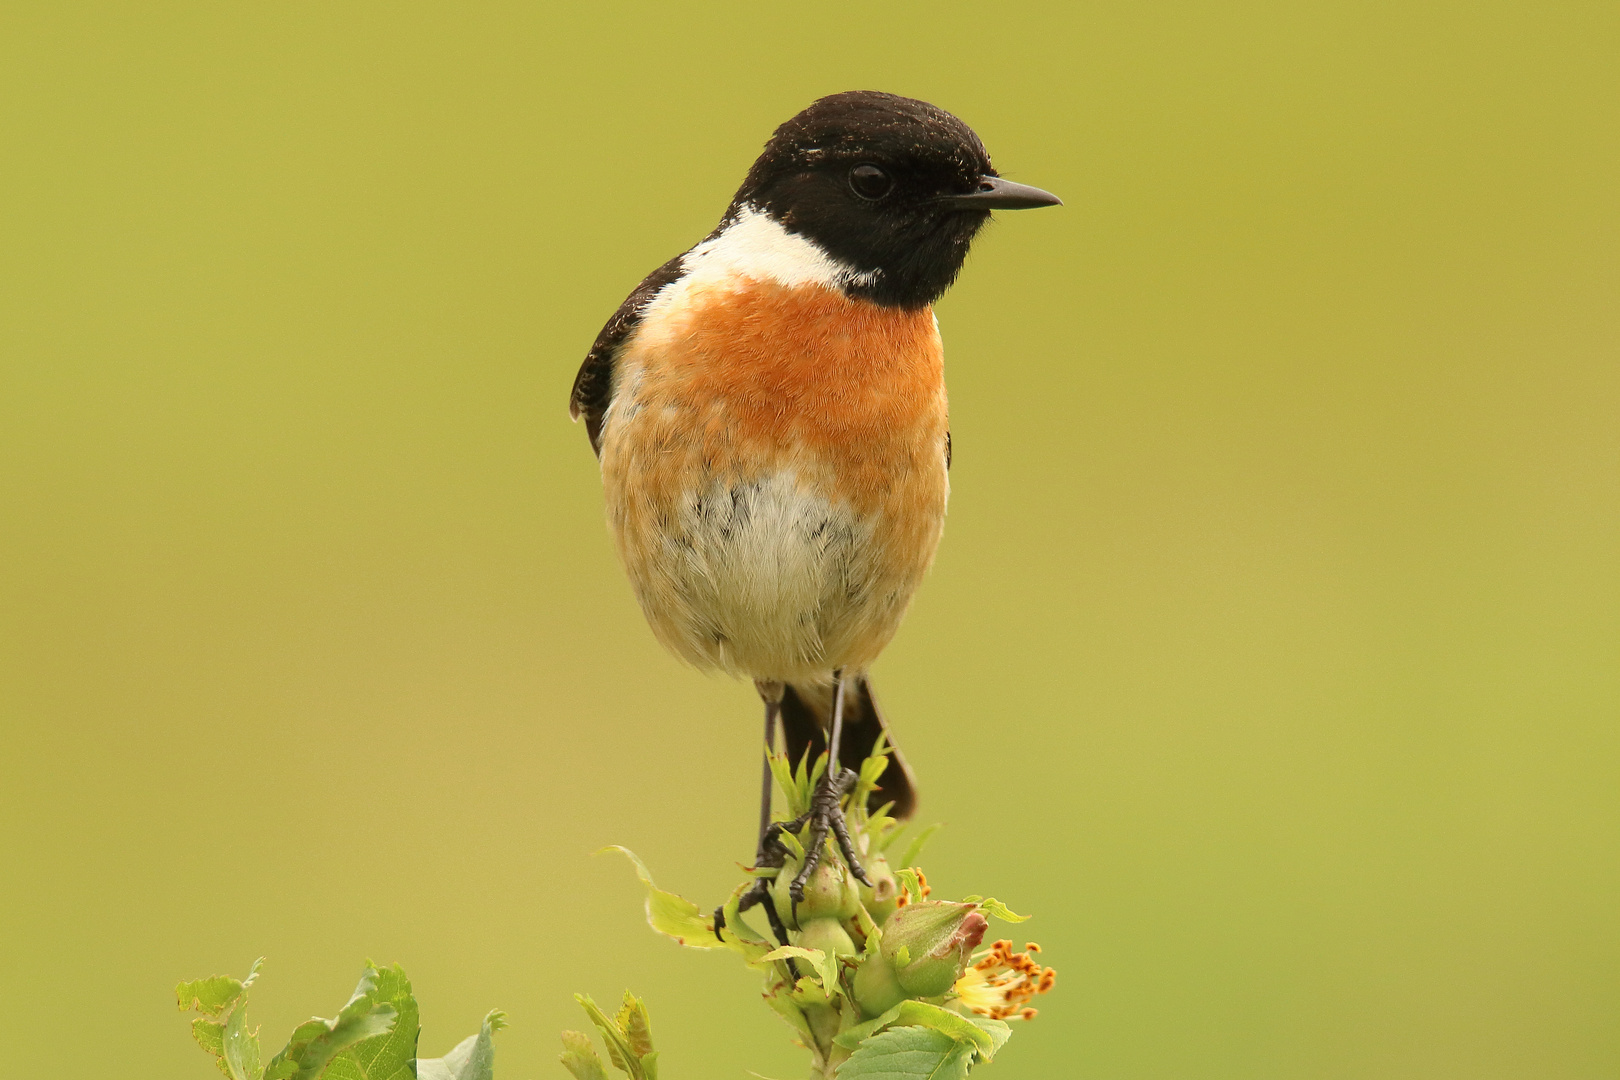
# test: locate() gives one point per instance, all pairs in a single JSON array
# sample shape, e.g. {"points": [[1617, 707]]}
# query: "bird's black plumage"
{"points": [[910, 240]]}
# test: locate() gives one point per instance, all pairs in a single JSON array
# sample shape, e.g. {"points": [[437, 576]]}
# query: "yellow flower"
{"points": [[1001, 981]]}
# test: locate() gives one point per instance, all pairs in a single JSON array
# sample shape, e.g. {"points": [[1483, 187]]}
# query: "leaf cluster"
{"points": [[628, 1037], [372, 1037], [816, 988]]}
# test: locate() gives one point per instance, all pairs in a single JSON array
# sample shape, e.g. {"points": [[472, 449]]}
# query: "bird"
{"points": [[769, 413]]}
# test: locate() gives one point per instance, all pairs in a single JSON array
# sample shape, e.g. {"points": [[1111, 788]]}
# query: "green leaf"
{"points": [[909, 1053], [387, 1056], [473, 1058], [624, 1058], [327, 1048], [210, 1035], [234, 1048], [782, 773], [998, 1030], [671, 915], [851, 1038], [996, 909], [214, 995], [579, 1057], [779, 997], [871, 769], [751, 949], [914, 849], [637, 1028], [240, 1057], [824, 964], [921, 1014], [793, 846], [870, 928]]}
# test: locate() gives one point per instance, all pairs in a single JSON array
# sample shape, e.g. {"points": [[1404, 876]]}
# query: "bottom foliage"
{"points": [[877, 982]]}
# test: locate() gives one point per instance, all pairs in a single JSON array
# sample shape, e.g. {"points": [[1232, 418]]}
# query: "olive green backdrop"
{"points": [[1272, 657]]}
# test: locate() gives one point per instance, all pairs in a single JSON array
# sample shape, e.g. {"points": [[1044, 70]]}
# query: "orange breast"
{"points": [[853, 391], [774, 464]]}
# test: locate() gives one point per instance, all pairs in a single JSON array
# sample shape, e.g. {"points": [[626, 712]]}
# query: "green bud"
{"points": [[826, 934], [883, 894], [779, 893], [936, 938], [877, 990], [829, 892]]}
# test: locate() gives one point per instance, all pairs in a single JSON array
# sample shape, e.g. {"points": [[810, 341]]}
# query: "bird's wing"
{"points": [[593, 386]]}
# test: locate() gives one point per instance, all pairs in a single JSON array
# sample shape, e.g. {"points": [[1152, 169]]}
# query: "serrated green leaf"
{"points": [[222, 1030], [215, 994], [672, 915], [241, 1058], [210, 1035], [907, 877], [322, 1048], [996, 909], [211, 996], [579, 1057], [387, 1056], [909, 1053], [473, 1057], [914, 849]]}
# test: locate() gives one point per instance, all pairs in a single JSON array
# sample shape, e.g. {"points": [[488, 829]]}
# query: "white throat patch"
{"points": [[755, 246]]}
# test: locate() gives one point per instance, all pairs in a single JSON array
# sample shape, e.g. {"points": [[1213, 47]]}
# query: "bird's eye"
{"points": [[870, 182]]}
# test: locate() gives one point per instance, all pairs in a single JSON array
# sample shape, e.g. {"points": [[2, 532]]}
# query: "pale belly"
{"points": [[765, 577], [776, 522]]}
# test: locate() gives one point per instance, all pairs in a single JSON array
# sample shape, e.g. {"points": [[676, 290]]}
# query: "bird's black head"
{"points": [[891, 186]]}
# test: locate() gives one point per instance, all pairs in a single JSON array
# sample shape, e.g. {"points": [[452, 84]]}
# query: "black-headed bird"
{"points": [[769, 409]]}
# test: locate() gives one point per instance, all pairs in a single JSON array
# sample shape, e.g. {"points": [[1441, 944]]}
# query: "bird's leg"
{"points": [[771, 693], [768, 851], [773, 853], [825, 813]]}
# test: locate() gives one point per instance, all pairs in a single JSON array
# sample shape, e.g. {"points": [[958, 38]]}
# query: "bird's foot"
{"points": [[827, 815], [758, 894]]}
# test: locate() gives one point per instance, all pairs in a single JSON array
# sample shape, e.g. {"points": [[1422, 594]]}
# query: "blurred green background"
{"points": [[1272, 656]]}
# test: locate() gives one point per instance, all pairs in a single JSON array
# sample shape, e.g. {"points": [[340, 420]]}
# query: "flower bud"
{"points": [[829, 892], [877, 990], [883, 895], [929, 943], [828, 935]]}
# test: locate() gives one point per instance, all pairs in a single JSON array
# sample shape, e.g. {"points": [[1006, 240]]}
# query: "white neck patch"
{"points": [[755, 246]]}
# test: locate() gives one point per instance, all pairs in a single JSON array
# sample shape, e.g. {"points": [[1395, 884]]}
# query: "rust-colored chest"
{"points": [[847, 393]]}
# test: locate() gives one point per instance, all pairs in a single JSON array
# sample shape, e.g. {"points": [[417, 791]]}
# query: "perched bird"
{"points": [[769, 411]]}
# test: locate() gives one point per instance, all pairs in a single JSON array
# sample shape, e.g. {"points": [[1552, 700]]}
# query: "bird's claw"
{"points": [[826, 815]]}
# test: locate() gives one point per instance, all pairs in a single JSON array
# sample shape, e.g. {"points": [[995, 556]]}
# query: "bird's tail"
{"points": [[807, 718]]}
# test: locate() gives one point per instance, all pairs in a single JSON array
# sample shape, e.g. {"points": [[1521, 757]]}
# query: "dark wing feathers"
{"points": [[593, 386]]}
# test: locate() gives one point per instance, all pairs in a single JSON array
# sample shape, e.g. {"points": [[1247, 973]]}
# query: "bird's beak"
{"points": [[997, 194]]}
